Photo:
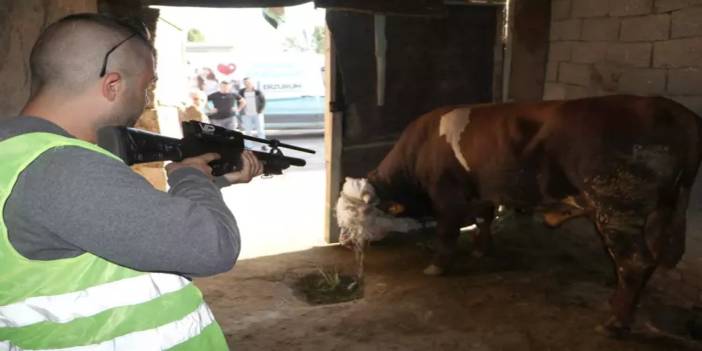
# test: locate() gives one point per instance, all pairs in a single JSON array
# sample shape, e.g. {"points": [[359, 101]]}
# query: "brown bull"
{"points": [[626, 162]]}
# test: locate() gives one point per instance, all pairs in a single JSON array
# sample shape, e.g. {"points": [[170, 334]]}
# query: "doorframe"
{"points": [[333, 115], [333, 137]]}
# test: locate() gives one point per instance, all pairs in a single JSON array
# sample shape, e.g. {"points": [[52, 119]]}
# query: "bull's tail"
{"points": [[673, 233], [674, 247], [693, 125]]}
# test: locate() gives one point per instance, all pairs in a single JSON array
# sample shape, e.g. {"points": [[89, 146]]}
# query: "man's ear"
{"points": [[396, 208], [111, 85]]}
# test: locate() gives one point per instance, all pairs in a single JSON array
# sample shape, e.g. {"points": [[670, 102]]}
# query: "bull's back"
{"points": [[644, 162], [591, 135], [506, 147]]}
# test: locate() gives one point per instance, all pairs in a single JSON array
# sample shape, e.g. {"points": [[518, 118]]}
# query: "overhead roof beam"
{"points": [[225, 3], [390, 7]]}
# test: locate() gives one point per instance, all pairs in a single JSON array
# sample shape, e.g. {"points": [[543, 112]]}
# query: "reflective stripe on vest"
{"points": [[86, 302], [89, 302], [161, 338]]}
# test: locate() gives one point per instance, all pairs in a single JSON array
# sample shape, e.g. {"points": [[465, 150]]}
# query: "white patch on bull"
{"points": [[360, 219], [452, 126]]}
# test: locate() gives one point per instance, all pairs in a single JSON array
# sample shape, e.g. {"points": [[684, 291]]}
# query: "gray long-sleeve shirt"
{"points": [[71, 200]]}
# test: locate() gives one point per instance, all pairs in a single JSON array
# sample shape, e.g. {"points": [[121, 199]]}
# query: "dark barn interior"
{"points": [[544, 289]]}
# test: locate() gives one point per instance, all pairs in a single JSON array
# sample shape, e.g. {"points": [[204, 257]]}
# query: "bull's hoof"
{"points": [[614, 329], [433, 270], [480, 252]]}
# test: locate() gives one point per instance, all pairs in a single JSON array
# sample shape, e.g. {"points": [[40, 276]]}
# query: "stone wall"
{"points": [[646, 47], [20, 25]]}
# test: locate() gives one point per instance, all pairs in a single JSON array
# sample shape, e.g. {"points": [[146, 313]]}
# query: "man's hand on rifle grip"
{"points": [[250, 167], [197, 162]]}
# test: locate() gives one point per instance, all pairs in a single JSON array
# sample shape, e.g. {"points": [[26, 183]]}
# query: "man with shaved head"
{"points": [[92, 256]]}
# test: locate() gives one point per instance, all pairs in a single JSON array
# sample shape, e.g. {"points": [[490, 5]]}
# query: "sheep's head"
{"points": [[363, 216]]}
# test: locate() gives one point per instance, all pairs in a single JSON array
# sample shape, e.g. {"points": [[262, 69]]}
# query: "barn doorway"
{"points": [[281, 51]]}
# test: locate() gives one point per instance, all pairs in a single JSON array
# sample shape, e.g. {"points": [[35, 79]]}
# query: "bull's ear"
{"points": [[396, 208]]}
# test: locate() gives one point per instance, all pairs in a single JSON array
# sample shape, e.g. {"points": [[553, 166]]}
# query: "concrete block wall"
{"points": [[645, 47]]}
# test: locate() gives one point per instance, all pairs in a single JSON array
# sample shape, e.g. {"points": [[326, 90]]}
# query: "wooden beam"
{"points": [[390, 7], [225, 3], [333, 138], [507, 71], [529, 49]]}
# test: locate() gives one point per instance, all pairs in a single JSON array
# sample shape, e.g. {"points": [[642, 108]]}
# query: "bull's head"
{"points": [[363, 216]]}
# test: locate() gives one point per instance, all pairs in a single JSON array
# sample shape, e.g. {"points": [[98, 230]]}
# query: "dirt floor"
{"points": [[543, 290]]}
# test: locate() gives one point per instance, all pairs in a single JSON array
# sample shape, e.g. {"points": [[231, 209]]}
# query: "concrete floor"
{"points": [[543, 290]]}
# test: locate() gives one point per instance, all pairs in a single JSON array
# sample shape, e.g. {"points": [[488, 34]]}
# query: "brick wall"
{"points": [[646, 47]]}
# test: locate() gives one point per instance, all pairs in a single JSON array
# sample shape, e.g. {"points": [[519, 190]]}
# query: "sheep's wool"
{"points": [[359, 217]]}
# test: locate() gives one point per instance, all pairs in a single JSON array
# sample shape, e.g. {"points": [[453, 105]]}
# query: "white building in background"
{"points": [[292, 81], [172, 72], [242, 36], [282, 75]]}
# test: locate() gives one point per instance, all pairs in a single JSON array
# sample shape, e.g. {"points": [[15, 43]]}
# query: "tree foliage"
{"points": [[305, 42], [195, 36], [318, 39]]}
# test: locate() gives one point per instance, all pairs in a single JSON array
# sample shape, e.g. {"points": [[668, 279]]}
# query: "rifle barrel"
{"points": [[276, 142], [293, 161]]}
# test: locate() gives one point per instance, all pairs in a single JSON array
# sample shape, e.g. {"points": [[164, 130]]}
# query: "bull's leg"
{"points": [[623, 236], [448, 229], [665, 229], [482, 237]]}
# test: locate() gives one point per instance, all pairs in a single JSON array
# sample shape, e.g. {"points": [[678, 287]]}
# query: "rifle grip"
{"points": [[225, 165]]}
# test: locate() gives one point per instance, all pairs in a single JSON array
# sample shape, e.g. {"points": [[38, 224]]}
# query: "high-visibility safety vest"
{"points": [[85, 302]]}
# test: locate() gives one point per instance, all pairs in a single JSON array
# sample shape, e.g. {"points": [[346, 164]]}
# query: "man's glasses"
{"points": [[103, 71], [138, 29]]}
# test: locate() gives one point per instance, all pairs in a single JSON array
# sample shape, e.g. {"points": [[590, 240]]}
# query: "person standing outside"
{"points": [[207, 81], [252, 118], [224, 106], [194, 110], [92, 257]]}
